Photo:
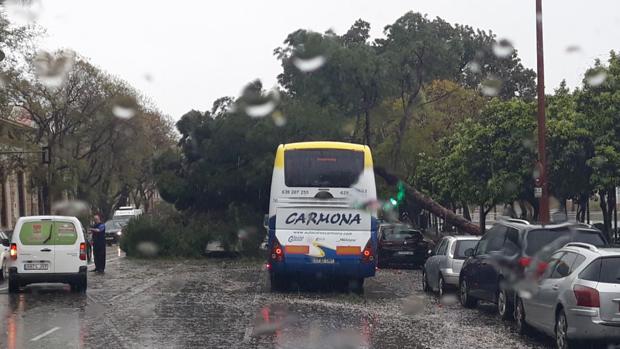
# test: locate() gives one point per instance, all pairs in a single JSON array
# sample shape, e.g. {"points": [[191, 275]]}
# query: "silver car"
{"points": [[577, 296], [442, 268]]}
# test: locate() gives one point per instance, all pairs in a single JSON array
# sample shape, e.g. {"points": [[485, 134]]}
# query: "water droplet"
{"points": [[23, 12], [52, 70], [491, 87], [242, 234], [124, 107], [413, 305], [529, 143], [596, 78], [573, 49], [278, 118], [449, 299], [536, 173], [503, 48], [148, 77], [309, 64], [260, 110], [474, 67], [539, 17], [70, 208], [148, 248]]}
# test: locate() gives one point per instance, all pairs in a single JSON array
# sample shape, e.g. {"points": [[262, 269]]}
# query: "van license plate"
{"points": [[36, 266], [323, 260]]}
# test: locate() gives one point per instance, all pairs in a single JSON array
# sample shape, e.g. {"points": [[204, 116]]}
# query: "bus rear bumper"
{"points": [[353, 270]]}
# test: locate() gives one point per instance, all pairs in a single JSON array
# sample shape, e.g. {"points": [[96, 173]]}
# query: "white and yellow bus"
{"points": [[316, 224]]}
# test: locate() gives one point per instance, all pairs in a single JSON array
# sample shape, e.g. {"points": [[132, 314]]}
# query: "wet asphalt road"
{"points": [[227, 304]]}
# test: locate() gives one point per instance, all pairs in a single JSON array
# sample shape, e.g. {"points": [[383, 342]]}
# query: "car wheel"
{"points": [[13, 284], [4, 271], [425, 286], [561, 336], [440, 286], [466, 299], [504, 308], [522, 326]]}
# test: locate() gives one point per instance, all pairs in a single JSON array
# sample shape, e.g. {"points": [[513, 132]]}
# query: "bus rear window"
{"points": [[323, 168]]}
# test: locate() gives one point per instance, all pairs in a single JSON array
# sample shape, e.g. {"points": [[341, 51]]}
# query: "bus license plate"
{"points": [[35, 266], [323, 260]]}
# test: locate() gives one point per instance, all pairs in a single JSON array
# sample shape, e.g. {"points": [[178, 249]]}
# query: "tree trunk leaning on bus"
{"points": [[430, 205]]}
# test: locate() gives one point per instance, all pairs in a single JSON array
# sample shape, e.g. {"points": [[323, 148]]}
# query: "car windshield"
{"points": [[115, 225], [462, 246], [402, 235], [537, 239], [296, 174]]}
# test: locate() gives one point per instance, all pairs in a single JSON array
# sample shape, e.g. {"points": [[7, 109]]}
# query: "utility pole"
{"points": [[542, 159]]}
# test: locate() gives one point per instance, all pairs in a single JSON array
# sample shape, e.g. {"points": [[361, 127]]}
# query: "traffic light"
{"points": [[46, 155]]}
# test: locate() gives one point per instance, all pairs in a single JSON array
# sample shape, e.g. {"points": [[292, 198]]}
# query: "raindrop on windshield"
{"points": [[503, 48], [124, 107], [309, 64], [278, 118], [260, 110], [474, 67], [491, 86], [573, 49], [23, 12], [596, 78], [52, 70], [147, 248], [413, 305], [258, 105]]}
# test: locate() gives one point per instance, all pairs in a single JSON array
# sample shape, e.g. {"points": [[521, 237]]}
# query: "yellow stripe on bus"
{"points": [[279, 162]]}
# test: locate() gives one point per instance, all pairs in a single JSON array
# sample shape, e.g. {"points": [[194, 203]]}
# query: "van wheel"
{"points": [[13, 284], [4, 271]]}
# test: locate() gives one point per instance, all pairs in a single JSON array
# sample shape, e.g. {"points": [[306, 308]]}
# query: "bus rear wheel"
{"points": [[278, 282]]}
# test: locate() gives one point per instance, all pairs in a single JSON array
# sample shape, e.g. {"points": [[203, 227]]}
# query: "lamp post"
{"points": [[543, 212]]}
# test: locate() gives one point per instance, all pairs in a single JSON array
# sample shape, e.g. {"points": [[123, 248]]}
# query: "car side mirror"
{"points": [[469, 252], [6, 242]]}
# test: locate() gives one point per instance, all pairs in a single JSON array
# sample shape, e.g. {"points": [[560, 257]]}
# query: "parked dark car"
{"points": [[114, 230], [402, 246], [503, 253]]}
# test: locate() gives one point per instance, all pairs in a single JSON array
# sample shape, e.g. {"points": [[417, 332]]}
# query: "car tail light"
{"points": [[367, 254], [525, 261], [587, 296], [13, 251], [277, 253], [82, 251]]}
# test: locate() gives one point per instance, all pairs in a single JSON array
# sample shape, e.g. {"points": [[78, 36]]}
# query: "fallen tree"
{"points": [[429, 204]]}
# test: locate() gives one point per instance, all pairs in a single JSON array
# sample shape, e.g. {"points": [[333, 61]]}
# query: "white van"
{"points": [[48, 249], [125, 213]]}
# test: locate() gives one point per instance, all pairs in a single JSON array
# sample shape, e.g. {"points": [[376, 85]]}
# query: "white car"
{"points": [[48, 249], [5, 243]]}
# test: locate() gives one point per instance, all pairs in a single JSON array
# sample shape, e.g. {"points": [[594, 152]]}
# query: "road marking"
{"points": [[47, 333]]}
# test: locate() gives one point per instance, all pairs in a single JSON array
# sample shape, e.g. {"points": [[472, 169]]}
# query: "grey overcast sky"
{"points": [[196, 51]]}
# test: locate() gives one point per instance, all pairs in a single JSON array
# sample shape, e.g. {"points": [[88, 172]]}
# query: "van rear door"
{"points": [[35, 247], [67, 247]]}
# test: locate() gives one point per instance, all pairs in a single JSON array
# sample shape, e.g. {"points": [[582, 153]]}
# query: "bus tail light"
{"points": [[82, 251], [368, 254], [13, 251], [277, 253]]}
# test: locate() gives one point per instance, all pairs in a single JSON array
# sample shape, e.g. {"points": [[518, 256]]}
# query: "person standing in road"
{"points": [[98, 232]]}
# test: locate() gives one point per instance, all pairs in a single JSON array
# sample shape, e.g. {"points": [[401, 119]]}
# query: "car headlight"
{"points": [[119, 233]]}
